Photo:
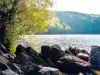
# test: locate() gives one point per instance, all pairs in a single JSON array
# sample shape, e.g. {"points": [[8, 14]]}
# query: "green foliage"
{"points": [[5, 5], [80, 23], [24, 17], [77, 23], [13, 48], [56, 27]]}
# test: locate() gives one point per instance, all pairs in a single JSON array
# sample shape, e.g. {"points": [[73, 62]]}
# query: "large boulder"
{"points": [[19, 49], [48, 71], [30, 68], [56, 52], [83, 56], [31, 52], [21, 58], [53, 53], [6, 69], [46, 51], [71, 63], [95, 57]]}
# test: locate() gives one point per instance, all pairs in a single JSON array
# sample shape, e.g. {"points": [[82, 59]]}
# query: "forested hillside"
{"points": [[77, 23]]}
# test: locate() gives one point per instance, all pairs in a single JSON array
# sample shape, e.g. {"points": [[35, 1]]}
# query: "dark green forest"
{"points": [[79, 23]]}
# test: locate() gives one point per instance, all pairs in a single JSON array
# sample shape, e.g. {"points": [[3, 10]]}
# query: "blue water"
{"points": [[79, 41]]}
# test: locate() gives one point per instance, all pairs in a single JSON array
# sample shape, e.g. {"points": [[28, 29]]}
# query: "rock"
{"points": [[84, 51], [48, 61], [5, 69], [30, 68], [21, 58], [73, 51], [3, 66], [22, 55], [71, 63], [8, 72], [28, 54], [53, 53], [4, 60], [19, 49], [27, 64], [46, 51], [3, 49], [67, 51], [83, 56], [9, 57], [39, 61], [31, 51], [56, 46], [0, 72], [35, 56], [48, 71], [95, 57], [1, 53], [14, 67], [56, 53], [42, 56]]}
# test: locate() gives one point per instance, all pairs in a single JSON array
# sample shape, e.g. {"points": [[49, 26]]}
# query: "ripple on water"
{"points": [[80, 41]]}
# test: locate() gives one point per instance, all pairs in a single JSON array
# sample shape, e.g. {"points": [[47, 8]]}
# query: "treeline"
{"points": [[77, 23]]}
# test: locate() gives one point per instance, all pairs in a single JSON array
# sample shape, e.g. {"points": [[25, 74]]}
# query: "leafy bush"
{"points": [[23, 17]]}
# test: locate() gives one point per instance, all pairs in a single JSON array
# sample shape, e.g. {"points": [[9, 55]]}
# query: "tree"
{"points": [[55, 27], [21, 17]]}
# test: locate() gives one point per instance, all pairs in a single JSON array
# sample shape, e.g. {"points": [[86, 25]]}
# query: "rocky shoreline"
{"points": [[50, 61]]}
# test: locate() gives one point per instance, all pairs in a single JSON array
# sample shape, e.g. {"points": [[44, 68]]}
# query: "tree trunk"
{"points": [[2, 34], [2, 28]]}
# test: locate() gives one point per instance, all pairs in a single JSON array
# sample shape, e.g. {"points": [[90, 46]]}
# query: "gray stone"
{"points": [[83, 56], [8, 72], [71, 63], [95, 57], [53, 53], [48, 71], [3, 49]]}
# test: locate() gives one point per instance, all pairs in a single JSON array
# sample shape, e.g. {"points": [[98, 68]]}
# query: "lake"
{"points": [[79, 41]]}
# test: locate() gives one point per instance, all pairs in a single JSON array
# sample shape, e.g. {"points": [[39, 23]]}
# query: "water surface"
{"points": [[79, 41]]}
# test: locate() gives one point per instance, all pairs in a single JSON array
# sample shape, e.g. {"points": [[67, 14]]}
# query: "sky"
{"points": [[84, 6]]}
